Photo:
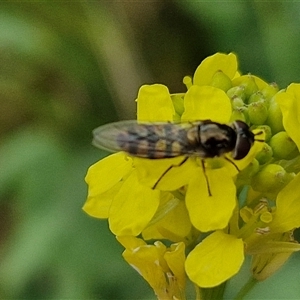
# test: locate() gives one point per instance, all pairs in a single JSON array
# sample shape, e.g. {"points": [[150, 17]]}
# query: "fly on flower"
{"points": [[204, 139]]}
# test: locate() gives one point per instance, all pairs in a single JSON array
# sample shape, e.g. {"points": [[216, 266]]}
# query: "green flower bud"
{"points": [[238, 114], [178, 103], [237, 102], [246, 114], [266, 129], [293, 154], [248, 82], [270, 179], [256, 97], [257, 112], [237, 91], [265, 154], [274, 119], [282, 145], [221, 81], [269, 91], [246, 174]]}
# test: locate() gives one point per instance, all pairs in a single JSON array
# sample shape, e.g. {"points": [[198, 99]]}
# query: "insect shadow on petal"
{"points": [[159, 140]]}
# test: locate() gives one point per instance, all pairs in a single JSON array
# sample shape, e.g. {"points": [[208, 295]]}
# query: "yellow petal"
{"points": [[289, 103], [287, 213], [154, 103], [175, 260], [104, 181], [130, 242], [227, 63], [99, 206], [145, 260], [206, 103], [261, 84], [133, 207], [175, 225], [215, 260], [104, 174], [150, 172], [211, 212]]}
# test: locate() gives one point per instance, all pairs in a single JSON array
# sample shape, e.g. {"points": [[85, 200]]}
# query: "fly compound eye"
{"points": [[242, 148], [244, 140], [240, 126]]}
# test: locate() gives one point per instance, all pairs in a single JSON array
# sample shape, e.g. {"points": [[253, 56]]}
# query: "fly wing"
{"points": [[147, 140], [107, 136]]}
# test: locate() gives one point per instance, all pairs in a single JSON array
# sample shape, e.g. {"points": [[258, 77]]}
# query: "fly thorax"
{"points": [[217, 139]]}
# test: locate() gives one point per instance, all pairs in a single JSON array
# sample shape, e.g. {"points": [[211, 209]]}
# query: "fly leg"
{"points": [[165, 172], [206, 178], [232, 163]]}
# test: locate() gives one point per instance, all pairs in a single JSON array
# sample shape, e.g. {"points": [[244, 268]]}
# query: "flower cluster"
{"points": [[251, 212]]}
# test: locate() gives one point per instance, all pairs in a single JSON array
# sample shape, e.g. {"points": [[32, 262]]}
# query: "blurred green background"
{"points": [[67, 67]]}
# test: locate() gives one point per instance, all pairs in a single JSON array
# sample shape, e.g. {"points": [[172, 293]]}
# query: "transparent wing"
{"points": [[148, 140], [107, 136]]}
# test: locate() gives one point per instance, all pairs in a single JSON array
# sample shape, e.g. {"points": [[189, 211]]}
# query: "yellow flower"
{"points": [[286, 216], [289, 103], [161, 267], [104, 183], [178, 199], [217, 258], [154, 104], [120, 197], [171, 220], [200, 102], [120, 187], [227, 63], [266, 235], [206, 103], [130, 204]]}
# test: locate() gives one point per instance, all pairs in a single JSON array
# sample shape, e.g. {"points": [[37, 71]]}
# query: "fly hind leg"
{"points": [[167, 170]]}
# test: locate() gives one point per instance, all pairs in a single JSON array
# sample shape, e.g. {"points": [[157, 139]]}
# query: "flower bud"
{"points": [[178, 103], [257, 112], [266, 129], [246, 174], [237, 102], [221, 81], [265, 265], [248, 82], [237, 91], [238, 114], [274, 119], [269, 91], [256, 97], [265, 154], [271, 179], [282, 145]]}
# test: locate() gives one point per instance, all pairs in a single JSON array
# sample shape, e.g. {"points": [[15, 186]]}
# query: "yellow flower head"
{"points": [[221, 206]]}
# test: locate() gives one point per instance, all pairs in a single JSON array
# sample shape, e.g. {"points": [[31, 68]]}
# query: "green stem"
{"points": [[197, 289], [215, 293], [246, 288]]}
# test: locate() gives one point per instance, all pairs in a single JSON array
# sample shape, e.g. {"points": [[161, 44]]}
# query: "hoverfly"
{"points": [[204, 139]]}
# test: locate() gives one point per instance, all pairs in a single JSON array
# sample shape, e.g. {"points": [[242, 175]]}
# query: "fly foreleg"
{"points": [[168, 169], [206, 178]]}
